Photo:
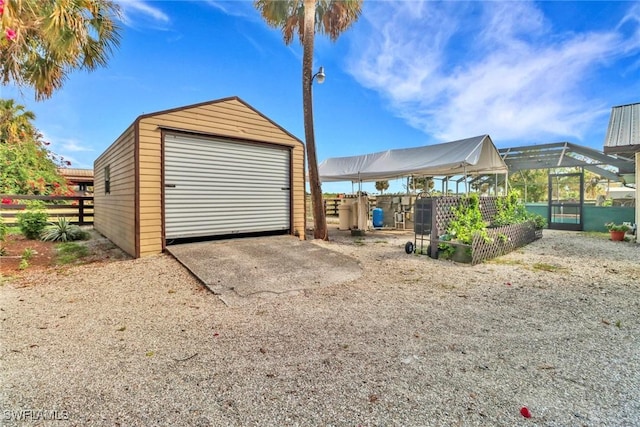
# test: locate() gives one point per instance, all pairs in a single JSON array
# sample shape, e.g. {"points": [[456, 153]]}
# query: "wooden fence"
{"points": [[77, 209], [331, 204]]}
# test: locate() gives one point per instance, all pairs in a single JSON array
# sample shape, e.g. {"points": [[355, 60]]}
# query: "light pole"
{"points": [[319, 220], [319, 76]]}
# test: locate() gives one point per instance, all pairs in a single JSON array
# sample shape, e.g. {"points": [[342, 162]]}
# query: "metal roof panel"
{"points": [[623, 133]]}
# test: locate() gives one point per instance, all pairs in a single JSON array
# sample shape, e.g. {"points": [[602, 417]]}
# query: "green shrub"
{"points": [[510, 210], [63, 231], [467, 220], [33, 220], [3, 229], [27, 254], [539, 221]]}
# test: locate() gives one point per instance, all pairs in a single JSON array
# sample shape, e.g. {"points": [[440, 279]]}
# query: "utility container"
{"points": [[378, 218]]}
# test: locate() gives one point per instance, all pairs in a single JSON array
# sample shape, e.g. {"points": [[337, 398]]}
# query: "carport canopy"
{"points": [[471, 156]]}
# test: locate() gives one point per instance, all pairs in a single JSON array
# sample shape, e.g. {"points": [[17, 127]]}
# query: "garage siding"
{"points": [[114, 215], [150, 192], [217, 187]]}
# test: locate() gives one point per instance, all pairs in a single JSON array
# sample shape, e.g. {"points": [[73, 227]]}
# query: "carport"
{"points": [[471, 156]]}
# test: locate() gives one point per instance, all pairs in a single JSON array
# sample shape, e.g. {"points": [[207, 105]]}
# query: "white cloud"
{"points": [[456, 70], [73, 145], [138, 12], [66, 147], [240, 9]]}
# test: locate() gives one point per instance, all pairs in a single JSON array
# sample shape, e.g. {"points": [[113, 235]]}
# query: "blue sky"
{"points": [[408, 73]]}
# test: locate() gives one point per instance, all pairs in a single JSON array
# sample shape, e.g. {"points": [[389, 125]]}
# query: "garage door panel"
{"points": [[230, 181], [248, 197], [228, 165], [215, 187], [271, 211], [194, 154]]}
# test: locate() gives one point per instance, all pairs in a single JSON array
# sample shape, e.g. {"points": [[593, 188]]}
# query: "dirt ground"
{"points": [[15, 246], [552, 327], [44, 255]]}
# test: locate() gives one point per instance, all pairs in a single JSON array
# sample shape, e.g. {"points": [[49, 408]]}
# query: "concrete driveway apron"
{"points": [[244, 269]]}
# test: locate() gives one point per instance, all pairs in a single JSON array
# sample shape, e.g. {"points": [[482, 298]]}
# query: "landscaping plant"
{"points": [[467, 220], [3, 229], [509, 210], [611, 226], [33, 220], [3, 235], [27, 254], [63, 231]]}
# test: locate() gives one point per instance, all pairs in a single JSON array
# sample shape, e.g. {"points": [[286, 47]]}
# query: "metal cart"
{"points": [[422, 226]]}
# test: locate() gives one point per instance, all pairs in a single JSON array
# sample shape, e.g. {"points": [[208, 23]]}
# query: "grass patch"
{"points": [[70, 252], [595, 234], [6, 278], [546, 267], [504, 261], [13, 229], [380, 241], [359, 242]]}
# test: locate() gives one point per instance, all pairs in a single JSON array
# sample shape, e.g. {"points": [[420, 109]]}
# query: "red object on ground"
{"points": [[524, 411], [508, 283]]}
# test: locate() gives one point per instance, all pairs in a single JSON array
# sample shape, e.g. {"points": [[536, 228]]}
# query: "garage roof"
{"points": [[623, 134]]}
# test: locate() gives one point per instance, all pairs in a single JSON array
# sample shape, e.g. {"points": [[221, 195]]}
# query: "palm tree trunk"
{"points": [[319, 220]]}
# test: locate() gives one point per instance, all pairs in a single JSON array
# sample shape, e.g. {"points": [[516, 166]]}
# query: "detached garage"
{"points": [[213, 169]]}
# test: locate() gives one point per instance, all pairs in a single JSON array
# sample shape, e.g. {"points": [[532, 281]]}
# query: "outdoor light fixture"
{"points": [[319, 76]]}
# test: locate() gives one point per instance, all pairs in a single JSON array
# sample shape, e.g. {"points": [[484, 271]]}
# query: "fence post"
{"points": [[81, 211]]}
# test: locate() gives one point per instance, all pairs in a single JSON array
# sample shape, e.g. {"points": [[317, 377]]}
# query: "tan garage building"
{"points": [[212, 169]]}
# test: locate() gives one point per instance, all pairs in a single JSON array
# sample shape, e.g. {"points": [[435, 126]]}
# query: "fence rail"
{"points": [[331, 204], [77, 209]]}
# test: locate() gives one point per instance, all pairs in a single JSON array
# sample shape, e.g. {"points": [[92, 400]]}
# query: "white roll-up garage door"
{"points": [[218, 187]]}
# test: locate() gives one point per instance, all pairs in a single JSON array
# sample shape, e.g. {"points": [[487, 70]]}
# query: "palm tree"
{"points": [[592, 186], [330, 17], [424, 183], [15, 122], [382, 185], [43, 41], [28, 167]]}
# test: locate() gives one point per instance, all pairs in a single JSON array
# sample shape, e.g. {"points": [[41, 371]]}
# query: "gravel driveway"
{"points": [[553, 327]]}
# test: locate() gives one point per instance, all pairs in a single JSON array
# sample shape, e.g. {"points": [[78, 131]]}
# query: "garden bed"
{"points": [[462, 227], [503, 240], [42, 253], [497, 242], [45, 255]]}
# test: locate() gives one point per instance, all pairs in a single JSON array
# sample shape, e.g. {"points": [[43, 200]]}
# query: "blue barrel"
{"points": [[378, 215]]}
